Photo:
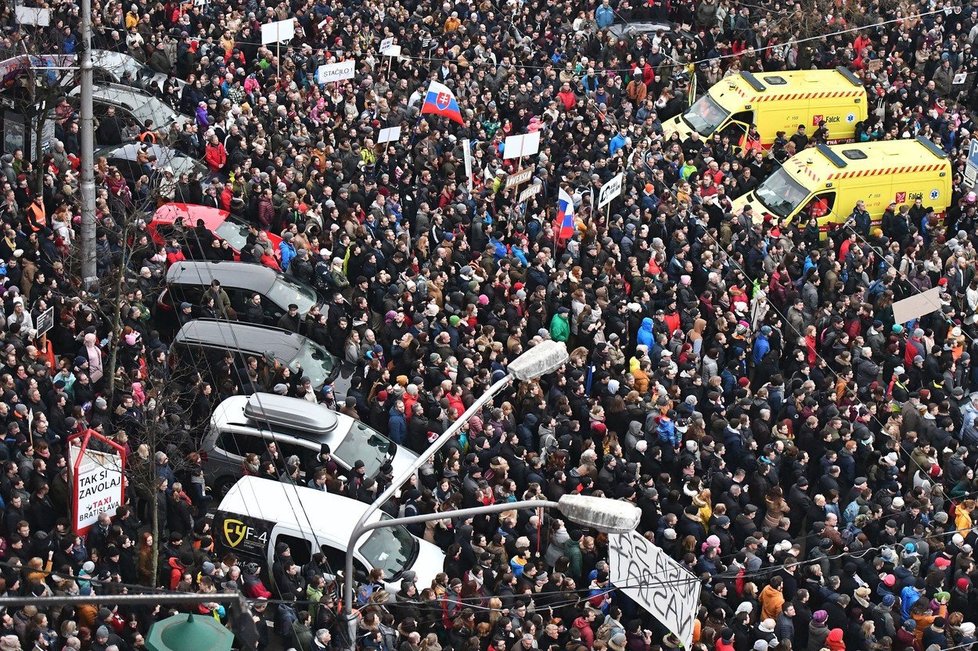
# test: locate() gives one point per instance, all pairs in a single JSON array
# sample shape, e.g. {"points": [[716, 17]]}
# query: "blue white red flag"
{"points": [[440, 100], [564, 222]]}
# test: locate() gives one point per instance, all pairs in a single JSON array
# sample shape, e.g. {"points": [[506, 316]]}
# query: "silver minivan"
{"points": [[243, 424]]}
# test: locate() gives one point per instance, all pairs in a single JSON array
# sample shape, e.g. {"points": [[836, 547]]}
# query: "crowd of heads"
{"points": [[809, 459]]}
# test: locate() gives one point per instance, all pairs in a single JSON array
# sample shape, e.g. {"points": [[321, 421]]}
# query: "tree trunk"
{"points": [[155, 529]]}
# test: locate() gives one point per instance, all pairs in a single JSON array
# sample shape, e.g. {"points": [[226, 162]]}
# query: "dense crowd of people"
{"points": [[808, 459]]}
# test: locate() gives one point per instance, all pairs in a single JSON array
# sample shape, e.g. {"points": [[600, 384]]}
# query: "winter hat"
{"points": [[820, 616]]}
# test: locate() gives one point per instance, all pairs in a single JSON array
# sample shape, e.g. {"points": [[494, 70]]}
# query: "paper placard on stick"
{"points": [[610, 190], [528, 193], [45, 321], [386, 43], [392, 51], [522, 145], [33, 16], [388, 134], [467, 159], [519, 178], [917, 305], [335, 72], [281, 30], [660, 585], [959, 79]]}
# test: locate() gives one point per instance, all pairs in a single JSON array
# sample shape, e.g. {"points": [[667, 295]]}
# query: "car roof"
{"points": [[282, 344], [246, 275], [168, 213], [287, 505], [320, 423], [140, 103]]}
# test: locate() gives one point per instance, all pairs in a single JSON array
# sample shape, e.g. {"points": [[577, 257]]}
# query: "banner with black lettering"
{"points": [[660, 585]]}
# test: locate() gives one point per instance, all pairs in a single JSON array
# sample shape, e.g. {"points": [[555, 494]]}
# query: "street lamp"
{"points": [[601, 513], [545, 357]]}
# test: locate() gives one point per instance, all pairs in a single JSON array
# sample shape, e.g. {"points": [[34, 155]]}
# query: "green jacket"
{"points": [[559, 328]]}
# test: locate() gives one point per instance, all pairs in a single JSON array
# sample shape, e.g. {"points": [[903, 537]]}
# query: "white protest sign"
{"points": [[528, 193], [33, 16], [523, 145], [386, 43], [97, 484], [519, 178], [335, 72], [917, 305], [660, 585], [959, 78], [393, 51], [467, 159], [610, 190], [389, 134], [282, 30]]}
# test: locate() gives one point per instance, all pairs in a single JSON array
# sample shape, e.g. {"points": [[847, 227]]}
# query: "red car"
{"points": [[219, 222]]}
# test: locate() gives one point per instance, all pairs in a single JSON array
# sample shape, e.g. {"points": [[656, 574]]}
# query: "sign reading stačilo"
{"points": [[335, 72], [660, 585], [97, 478]]}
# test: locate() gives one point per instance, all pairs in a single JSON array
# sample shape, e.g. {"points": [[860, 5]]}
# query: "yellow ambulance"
{"points": [[827, 180], [776, 101]]}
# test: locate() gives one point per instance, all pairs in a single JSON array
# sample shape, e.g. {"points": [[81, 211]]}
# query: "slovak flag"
{"points": [[441, 101], [564, 222]]}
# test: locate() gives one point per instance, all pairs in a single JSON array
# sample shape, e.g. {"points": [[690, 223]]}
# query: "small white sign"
{"points": [[335, 72], [528, 193], [386, 43], [281, 30], [523, 145], [959, 78], [33, 16], [519, 178], [392, 51], [610, 190], [389, 134]]}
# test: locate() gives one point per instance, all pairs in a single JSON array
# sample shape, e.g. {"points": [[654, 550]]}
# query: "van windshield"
{"points": [[781, 194], [316, 363], [286, 292], [364, 444], [705, 115], [392, 549]]}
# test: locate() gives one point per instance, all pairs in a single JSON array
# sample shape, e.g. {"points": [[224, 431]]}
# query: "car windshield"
{"points": [[392, 549], [285, 292], [781, 194], [364, 444], [315, 362], [705, 115], [235, 233]]}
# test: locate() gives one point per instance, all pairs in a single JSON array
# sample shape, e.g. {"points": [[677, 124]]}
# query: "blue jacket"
{"points": [[616, 143], [288, 253], [397, 427], [908, 597], [645, 334], [761, 348], [604, 16], [667, 433]]}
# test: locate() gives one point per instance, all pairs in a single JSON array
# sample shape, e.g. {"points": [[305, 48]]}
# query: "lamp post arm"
{"points": [[489, 509], [361, 526]]}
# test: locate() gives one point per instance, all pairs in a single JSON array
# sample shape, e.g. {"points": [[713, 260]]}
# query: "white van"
{"points": [[258, 514]]}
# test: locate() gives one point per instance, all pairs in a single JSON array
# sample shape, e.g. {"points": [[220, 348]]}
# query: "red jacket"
{"points": [[216, 157]]}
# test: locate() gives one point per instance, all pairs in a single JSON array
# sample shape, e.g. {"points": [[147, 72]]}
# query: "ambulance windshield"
{"points": [[705, 115], [781, 194]]}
